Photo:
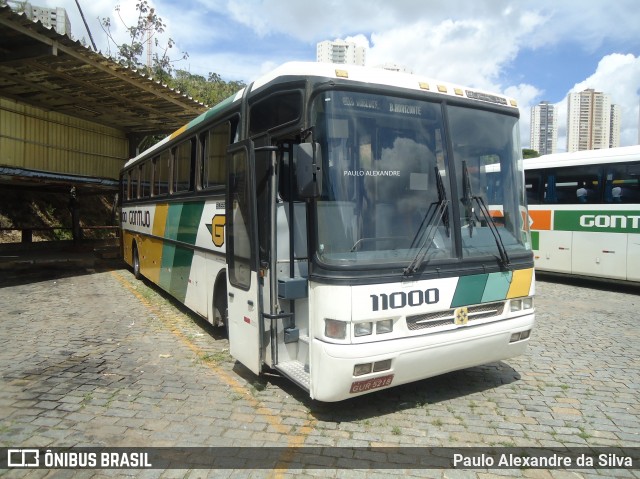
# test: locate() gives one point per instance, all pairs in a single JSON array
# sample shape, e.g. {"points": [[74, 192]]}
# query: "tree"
{"points": [[146, 30], [527, 153], [211, 90], [149, 25]]}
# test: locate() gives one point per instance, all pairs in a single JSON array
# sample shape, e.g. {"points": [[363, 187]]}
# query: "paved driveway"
{"points": [[95, 358]]}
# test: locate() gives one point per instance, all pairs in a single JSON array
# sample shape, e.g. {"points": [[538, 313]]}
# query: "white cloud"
{"points": [[618, 76], [587, 24], [453, 50], [471, 43]]}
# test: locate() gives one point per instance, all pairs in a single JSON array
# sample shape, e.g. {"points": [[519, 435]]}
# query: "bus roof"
{"points": [[380, 76], [587, 157], [343, 72]]}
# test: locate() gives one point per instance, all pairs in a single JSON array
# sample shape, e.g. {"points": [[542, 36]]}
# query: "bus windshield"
{"points": [[387, 194]]}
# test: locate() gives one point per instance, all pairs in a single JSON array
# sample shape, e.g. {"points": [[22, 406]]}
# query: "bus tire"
{"points": [[221, 309], [136, 263]]}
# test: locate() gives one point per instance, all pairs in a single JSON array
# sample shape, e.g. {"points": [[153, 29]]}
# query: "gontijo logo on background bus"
{"points": [[601, 221], [622, 222]]}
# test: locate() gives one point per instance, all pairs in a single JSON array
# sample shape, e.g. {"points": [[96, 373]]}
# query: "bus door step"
{"points": [[297, 371]]}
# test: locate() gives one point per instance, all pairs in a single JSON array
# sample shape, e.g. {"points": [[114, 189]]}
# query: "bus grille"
{"points": [[447, 318]]}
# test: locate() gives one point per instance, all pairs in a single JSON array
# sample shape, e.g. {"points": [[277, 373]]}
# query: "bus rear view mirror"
{"points": [[306, 158]]}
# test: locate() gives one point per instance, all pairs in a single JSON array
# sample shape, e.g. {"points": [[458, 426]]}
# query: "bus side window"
{"points": [[532, 185], [145, 179], [124, 194], [622, 184], [215, 142], [183, 156], [161, 177], [577, 185], [275, 111], [133, 191]]}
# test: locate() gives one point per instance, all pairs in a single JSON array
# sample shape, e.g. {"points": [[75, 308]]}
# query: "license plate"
{"points": [[369, 384]]}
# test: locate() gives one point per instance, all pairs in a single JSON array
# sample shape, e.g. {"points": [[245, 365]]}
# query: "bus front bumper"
{"points": [[411, 359]]}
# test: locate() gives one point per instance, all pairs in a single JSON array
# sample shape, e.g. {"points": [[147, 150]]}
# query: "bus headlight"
{"points": [[335, 329], [362, 329], [384, 326], [521, 304]]}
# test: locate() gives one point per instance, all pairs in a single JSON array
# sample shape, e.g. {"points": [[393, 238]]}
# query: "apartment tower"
{"points": [[340, 51], [593, 123], [544, 128]]}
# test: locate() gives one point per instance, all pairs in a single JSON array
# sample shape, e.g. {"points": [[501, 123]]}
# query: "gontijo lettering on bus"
{"points": [[137, 217], [603, 221], [609, 221]]}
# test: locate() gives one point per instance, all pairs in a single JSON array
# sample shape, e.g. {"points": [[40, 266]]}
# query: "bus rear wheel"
{"points": [[136, 263]]}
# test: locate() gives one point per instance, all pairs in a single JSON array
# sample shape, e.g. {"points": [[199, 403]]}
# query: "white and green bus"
{"points": [[585, 212], [335, 220]]}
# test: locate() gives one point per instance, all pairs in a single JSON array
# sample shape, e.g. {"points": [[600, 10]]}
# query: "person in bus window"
{"points": [[581, 193], [616, 193]]}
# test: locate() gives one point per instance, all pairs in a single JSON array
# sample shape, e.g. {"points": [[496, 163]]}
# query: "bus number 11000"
{"points": [[400, 299]]}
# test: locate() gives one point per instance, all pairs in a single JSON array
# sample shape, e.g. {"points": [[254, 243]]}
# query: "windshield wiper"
{"points": [[437, 210], [467, 200]]}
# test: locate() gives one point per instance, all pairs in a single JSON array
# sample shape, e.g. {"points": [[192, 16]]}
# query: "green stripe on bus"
{"points": [[175, 269], [183, 220], [190, 217], [173, 221], [497, 286], [535, 240], [619, 221], [166, 266], [180, 272], [469, 290], [214, 111]]}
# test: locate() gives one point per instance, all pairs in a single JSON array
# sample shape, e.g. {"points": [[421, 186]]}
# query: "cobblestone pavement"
{"points": [[99, 359]]}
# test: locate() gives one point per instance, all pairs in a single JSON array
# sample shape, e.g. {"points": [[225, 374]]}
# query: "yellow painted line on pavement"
{"points": [[294, 438]]}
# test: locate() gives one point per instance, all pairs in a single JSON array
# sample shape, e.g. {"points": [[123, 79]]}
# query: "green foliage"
{"points": [[210, 90], [527, 153], [148, 26]]}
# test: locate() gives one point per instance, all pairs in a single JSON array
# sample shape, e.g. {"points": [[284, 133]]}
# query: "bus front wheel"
{"points": [[221, 309]]}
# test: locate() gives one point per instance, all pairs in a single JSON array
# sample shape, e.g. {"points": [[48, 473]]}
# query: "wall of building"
{"points": [[48, 141]]}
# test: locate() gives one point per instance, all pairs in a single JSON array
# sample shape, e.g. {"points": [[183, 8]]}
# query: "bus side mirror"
{"points": [[306, 158]]}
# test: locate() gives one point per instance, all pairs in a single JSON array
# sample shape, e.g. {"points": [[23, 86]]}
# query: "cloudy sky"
{"points": [[532, 50]]}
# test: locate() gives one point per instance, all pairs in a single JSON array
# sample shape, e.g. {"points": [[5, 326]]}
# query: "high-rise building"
{"points": [[341, 51], [544, 128], [589, 122], [55, 18], [616, 120]]}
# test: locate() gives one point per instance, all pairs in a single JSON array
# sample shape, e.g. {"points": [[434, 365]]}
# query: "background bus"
{"points": [[585, 212], [335, 220]]}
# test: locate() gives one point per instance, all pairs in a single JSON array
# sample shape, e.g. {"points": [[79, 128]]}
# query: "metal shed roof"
{"points": [[50, 71]]}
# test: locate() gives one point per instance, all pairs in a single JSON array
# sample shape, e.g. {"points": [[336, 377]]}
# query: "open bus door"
{"points": [[243, 284]]}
